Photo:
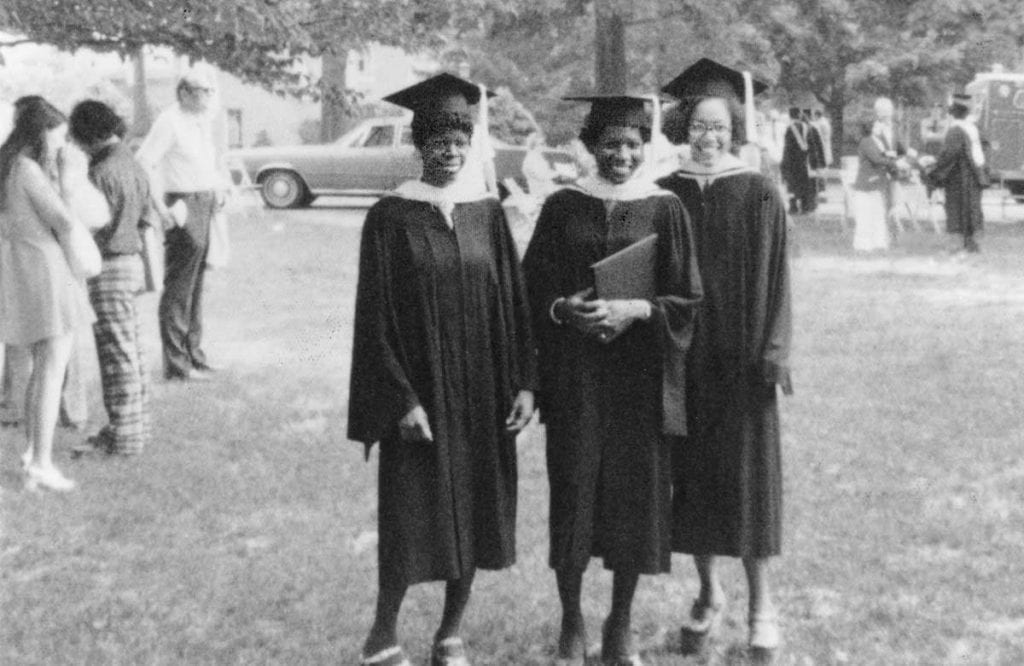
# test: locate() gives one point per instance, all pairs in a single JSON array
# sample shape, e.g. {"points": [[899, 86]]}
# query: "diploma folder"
{"points": [[628, 273]]}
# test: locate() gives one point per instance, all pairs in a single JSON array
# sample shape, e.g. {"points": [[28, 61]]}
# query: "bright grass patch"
{"points": [[246, 533]]}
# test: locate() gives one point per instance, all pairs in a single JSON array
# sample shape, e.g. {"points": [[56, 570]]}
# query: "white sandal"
{"points": [[47, 477], [392, 656]]}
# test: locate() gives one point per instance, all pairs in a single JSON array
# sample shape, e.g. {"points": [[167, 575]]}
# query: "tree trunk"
{"points": [[610, 66], [140, 99], [333, 101], [834, 109]]}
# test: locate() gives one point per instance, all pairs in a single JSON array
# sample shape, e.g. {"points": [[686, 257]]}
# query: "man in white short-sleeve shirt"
{"points": [[181, 153]]}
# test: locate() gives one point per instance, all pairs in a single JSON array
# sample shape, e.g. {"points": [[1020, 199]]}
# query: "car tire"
{"points": [[284, 189]]}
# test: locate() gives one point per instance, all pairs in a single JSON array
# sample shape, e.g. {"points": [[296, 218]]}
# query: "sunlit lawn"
{"points": [[244, 534]]}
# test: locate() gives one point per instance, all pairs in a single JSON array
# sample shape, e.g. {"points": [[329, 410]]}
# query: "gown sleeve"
{"points": [[523, 351], [546, 281], [952, 148], [775, 289], [380, 392], [673, 309], [791, 155], [815, 148]]}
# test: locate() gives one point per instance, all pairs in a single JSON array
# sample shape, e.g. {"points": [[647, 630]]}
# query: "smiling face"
{"points": [[710, 131], [444, 155], [619, 152]]}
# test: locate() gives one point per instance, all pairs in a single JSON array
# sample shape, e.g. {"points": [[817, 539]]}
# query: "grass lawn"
{"points": [[245, 533]]}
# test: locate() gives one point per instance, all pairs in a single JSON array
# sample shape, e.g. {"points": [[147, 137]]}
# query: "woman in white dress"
{"points": [[875, 168], [42, 303]]}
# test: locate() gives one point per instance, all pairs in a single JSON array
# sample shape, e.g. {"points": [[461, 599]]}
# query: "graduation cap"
{"points": [[960, 101], [618, 110], [441, 93], [708, 78]]}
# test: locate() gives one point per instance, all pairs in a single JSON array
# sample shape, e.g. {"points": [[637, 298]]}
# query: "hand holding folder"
{"points": [[628, 273], [620, 280]]}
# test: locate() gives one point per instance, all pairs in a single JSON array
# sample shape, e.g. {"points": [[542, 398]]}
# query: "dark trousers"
{"points": [[181, 326]]}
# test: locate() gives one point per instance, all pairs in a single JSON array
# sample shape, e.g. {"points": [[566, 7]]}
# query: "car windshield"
{"points": [[370, 134], [352, 138]]}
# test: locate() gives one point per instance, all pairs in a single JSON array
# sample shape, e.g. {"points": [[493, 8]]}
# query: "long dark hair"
{"points": [[33, 119]]}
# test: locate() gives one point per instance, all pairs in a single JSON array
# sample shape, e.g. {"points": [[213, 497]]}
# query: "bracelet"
{"points": [[551, 311]]}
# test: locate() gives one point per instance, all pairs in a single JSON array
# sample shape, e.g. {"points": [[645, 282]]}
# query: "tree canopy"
{"points": [[836, 50], [256, 39]]}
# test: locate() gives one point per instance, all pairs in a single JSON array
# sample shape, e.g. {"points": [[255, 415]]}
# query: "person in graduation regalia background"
{"points": [[612, 373], [960, 171], [728, 474], [443, 368], [802, 153]]}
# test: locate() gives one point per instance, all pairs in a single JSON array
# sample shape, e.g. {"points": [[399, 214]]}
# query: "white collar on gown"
{"points": [[971, 130], [729, 165], [632, 190], [443, 198], [457, 192]]}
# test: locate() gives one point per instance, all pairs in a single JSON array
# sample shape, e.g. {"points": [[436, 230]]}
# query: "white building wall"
{"points": [[66, 78], [381, 70]]}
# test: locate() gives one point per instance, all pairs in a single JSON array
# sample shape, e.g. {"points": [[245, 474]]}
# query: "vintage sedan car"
{"points": [[371, 159]]}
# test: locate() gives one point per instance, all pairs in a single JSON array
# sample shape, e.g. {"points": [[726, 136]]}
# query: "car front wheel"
{"points": [[283, 189]]}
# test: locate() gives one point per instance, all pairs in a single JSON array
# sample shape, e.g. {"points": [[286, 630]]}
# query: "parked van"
{"points": [[998, 99]]}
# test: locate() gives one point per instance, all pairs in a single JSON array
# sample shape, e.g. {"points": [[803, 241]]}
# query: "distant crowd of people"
{"points": [[952, 159], [72, 245]]}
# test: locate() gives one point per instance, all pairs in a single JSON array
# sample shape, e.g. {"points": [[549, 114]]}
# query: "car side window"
{"points": [[406, 136], [381, 136]]}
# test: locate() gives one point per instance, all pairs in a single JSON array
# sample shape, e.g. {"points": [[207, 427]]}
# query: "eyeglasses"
{"points": [[200, 89], [704, 128]]}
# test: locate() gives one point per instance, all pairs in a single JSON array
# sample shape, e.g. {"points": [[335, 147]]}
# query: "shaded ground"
{"points": [[244, 535]]}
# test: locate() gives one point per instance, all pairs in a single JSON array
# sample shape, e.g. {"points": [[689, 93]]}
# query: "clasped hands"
{"points": [[415, 426], [600, 319]]}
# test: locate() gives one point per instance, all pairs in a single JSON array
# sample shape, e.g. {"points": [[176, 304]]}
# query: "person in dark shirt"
{"points": [[97, 129]]}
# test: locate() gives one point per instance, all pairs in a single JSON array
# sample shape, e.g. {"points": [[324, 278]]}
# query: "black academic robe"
{"points": [[802, 151], [441, 321], [608, 407], [815, 148], [955, 172], [728, 478]]}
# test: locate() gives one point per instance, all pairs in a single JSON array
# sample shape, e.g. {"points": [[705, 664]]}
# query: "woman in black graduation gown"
{"points": [[612, 373], [728, 483], [443, 369]]}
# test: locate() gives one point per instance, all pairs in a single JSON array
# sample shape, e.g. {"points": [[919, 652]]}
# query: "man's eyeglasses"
{"points": [[200, 89]]}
